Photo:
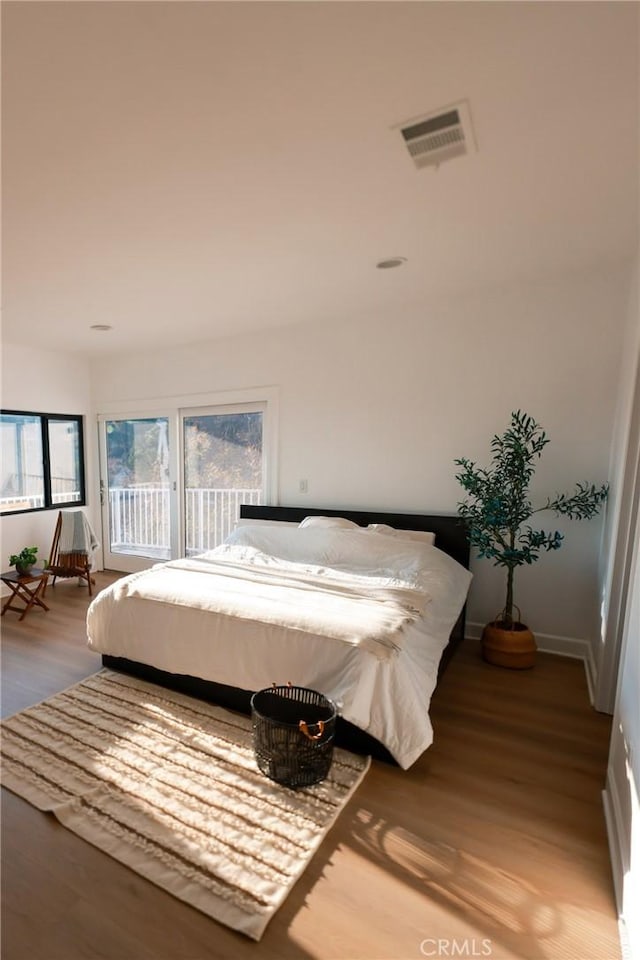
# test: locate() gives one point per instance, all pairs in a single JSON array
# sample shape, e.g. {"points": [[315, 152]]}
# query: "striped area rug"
{"points": [[169, 786]]}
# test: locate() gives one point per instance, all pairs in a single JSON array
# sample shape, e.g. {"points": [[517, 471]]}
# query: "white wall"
{"points": [[621, 629], [373, 412], [619, 528], [622, 804], [45, 382], [623, 775]]}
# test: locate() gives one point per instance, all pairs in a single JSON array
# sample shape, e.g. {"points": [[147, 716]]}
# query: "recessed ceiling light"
{"points": [[100, 326], [390, 263]]}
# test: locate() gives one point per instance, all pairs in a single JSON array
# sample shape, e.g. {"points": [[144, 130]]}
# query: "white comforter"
{"points": [[361, 618]]}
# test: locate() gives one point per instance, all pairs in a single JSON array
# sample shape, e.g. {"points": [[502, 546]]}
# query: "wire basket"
{"points": [[293, 731]]}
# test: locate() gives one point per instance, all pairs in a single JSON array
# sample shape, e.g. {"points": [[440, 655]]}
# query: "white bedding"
{"points": [[358, 615]]}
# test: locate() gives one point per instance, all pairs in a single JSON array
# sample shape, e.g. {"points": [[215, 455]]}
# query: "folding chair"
{"points": [[72, 548]]}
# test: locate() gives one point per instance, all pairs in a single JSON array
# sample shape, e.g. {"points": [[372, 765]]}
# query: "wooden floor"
{"points": [[492, 844]]}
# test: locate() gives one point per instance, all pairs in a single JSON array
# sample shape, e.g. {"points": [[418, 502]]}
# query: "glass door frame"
{"points": [[174, 408], [217, 410], [131, 562]]}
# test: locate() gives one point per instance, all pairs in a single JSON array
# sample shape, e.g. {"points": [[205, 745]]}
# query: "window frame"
{"points": [[45, 419]]}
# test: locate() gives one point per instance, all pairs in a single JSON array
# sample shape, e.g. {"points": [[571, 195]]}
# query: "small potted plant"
{"points": [[24, 561], [496, 514]]}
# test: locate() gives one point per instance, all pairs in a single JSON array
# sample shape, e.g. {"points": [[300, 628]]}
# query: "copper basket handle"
{"points": [[302, 726]]}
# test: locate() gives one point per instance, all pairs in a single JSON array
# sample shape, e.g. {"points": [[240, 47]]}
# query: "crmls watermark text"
{"points": [[443, 947]]}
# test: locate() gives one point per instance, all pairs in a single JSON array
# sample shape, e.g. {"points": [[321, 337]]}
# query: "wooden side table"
{"points": [[23, 591]]}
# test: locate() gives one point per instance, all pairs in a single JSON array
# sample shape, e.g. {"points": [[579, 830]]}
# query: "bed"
{"points": [[365, 606]]}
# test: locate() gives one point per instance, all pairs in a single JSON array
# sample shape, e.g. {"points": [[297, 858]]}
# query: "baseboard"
{"points": [[574, 647], [612, 817], [615, 833], [625, 942]]}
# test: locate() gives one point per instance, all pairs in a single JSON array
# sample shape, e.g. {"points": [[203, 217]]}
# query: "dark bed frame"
{"points": [[451, 537]]}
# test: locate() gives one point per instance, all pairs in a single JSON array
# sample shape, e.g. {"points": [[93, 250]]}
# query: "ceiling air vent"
{"points": [[439, 136]]}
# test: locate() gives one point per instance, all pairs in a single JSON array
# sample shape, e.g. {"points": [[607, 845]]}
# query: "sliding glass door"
{"points": [[223, 468], [172, 483], [137, 492]]}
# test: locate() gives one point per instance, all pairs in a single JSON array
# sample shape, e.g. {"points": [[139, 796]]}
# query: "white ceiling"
{"points": [[183, 171]]}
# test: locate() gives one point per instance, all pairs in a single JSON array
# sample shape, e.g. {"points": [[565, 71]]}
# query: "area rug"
{"points": [[169, 786]]}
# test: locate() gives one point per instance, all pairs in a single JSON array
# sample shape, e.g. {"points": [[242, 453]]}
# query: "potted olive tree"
{"points": [[497, 512]]}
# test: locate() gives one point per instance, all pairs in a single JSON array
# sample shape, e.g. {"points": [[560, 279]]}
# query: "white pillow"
{"points": [[327, 523], [422, 536], [358, 550]]}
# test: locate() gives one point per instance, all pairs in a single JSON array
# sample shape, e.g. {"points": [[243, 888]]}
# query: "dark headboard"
{"points": [[450, 531]]}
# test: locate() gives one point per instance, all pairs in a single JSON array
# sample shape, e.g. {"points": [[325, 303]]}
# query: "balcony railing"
{"points": [[35, 501], [62, 491], [139, 518], [211, 516]]}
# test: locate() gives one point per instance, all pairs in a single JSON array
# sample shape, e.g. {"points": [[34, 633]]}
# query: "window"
{"points": [[42, 456]]}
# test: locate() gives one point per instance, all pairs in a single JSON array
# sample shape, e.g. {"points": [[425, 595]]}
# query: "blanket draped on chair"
{"points": [[76, 535]]}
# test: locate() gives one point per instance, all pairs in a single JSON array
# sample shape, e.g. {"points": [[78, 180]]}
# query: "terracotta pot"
{"points": [[513, 647]]}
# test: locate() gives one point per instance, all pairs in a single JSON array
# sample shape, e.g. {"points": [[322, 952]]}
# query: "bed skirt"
{"points": [[347, 735]]}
